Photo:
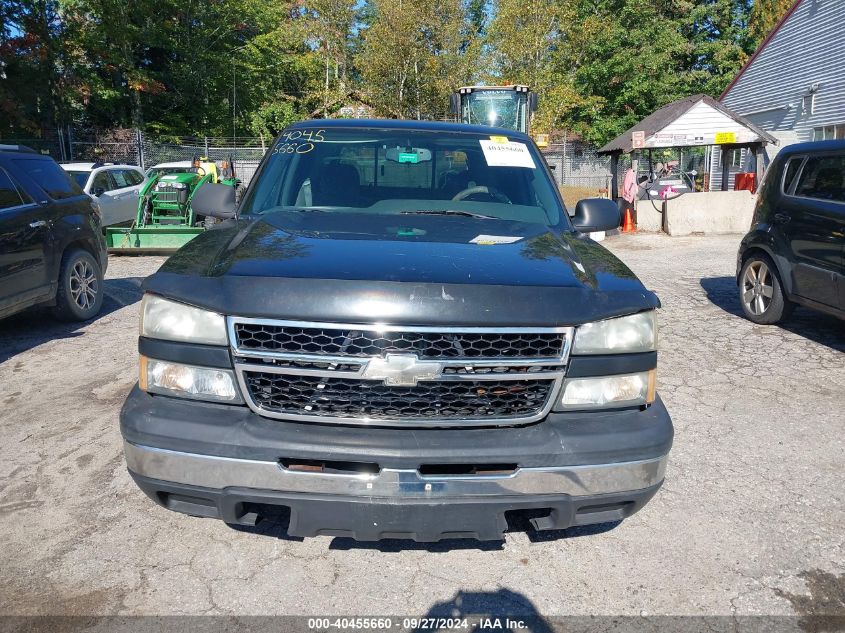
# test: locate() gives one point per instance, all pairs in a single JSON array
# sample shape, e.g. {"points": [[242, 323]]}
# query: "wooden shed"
{"points": [[694, 121]]}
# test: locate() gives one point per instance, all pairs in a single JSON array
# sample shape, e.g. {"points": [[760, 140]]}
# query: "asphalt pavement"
{"points": [[750, 520]]}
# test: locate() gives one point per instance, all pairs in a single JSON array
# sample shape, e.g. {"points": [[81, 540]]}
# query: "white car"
{"points": [[114, 187]]}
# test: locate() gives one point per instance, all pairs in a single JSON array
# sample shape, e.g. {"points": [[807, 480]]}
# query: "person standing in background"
{"points": [[629, 194]]}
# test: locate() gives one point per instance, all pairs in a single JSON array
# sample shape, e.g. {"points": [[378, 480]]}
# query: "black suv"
{"points": [[795, 250], [52, 251], [402, 334]]}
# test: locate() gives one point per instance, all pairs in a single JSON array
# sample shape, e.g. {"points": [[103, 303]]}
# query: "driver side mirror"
{"points": [[99, 191], [215, 200], [596, 214]]}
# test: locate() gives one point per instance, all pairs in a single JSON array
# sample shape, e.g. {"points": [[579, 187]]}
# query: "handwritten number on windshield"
{"points": [[298, 141]]}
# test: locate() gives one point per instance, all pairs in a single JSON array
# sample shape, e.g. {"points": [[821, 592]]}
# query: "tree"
{"points": [[185, 67], [223, 67], [414, 54], [718, 33], [523, 38], [332, 25], [765, 14], [32, 58], [608, 63]]}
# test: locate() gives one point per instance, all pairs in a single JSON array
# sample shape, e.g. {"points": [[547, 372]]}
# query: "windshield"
{"points": [[394, 172], [81, 177], [500, 108]]}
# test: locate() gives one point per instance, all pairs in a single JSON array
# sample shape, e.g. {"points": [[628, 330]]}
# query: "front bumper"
{"points": [[226, 462]]}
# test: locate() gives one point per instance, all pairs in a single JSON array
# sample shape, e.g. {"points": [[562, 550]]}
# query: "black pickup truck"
{"points": [[399, 332]]}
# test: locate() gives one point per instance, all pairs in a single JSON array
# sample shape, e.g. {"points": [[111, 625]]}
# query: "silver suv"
{"points": [[114, 187]]}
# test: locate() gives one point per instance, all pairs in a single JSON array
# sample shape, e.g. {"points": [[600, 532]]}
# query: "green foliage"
{"points": [[619, 60], [221, 67], [414, 54], [764, 16], [272, 117]]}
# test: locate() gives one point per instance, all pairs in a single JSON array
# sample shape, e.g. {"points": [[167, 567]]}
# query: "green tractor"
{"points": [[165, 220]]}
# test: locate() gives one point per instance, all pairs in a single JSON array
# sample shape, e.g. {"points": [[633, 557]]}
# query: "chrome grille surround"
{"points": [[513, 367]]}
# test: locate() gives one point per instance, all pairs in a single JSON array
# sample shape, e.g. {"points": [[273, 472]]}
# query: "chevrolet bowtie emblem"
{"points": [[402, 370]]}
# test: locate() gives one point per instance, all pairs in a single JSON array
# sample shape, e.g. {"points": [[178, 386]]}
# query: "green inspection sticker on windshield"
{"points": [[408, 157]]}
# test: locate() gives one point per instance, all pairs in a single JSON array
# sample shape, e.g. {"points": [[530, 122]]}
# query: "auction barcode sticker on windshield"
{"points": [[494, 239], [509, 154]]}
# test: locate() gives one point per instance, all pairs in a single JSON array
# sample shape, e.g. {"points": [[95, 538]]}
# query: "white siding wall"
{"points": [[809, 48], [704, 117]]}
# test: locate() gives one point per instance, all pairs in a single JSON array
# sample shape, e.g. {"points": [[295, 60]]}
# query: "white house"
{"points": [[794, 85]]}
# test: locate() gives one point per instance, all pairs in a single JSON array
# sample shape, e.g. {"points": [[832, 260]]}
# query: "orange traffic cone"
{"points": [[628, 225]]}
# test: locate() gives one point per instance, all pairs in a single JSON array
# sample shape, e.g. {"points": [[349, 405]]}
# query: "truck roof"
{"points": [[814, 146], [396, 124]]}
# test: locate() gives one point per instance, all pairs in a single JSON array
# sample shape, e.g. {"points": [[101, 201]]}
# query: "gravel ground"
{"points": [[750, 520]]}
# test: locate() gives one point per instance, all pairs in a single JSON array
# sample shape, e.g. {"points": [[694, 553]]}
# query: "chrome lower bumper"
{"points": [[224, 472]]}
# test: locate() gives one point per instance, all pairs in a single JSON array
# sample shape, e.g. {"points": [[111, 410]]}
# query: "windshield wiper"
{"points": [[466, 214]]}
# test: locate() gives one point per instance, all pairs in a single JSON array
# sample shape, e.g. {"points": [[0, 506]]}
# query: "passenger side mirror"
{"points": [[215, 200], [596, 214]]}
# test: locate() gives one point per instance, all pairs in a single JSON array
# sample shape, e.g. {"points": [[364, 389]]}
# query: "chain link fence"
{"points": [[579, 171], [244, 153], [52, 143], [134, 147]]}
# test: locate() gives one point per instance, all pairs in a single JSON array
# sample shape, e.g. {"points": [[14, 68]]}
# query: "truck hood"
{"points": [[404, 269]]}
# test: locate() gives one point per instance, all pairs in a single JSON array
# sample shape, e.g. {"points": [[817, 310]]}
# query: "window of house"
{"points": [[829, 132], [808, 104]]}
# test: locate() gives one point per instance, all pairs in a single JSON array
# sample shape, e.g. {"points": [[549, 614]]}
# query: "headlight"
{"points": [[623, 335], [188, 381], [606, 392], [172, 321]]}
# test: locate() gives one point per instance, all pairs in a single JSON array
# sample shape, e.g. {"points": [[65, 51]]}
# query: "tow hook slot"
{"points": [[329, 467], [467, 470]]}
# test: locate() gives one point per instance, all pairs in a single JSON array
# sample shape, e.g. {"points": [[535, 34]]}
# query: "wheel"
{"points": [[80, 293], [761, 292]]}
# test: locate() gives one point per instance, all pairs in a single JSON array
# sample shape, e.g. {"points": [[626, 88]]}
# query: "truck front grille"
{"points": [[366, 343], [398, 375], [370, 400]]}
